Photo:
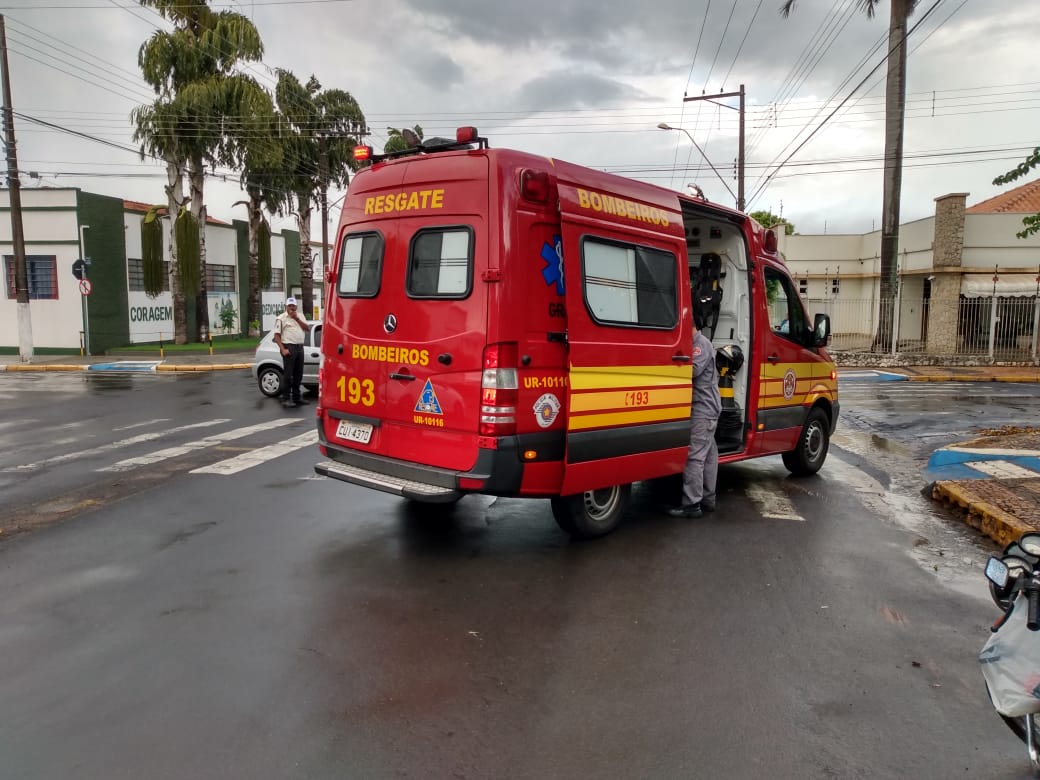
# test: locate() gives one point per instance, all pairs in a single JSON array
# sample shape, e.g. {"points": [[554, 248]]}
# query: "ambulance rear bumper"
{"points": [[417, 491]]}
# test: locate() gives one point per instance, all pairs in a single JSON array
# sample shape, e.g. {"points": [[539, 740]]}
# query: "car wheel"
{"points": [[813, 442], [593, 513], [269, 379]]}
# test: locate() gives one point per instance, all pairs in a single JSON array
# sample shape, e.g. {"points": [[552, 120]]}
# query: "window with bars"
{"points": [[41, 272], [220, 278], [277, 280], [135, 275], [803, 287], [835, 286]]}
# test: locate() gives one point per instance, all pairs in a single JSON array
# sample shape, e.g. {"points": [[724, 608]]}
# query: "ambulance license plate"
{"points": [[352, 431]]}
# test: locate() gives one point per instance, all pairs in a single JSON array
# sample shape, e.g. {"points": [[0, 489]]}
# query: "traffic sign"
{"points": [[80, 269], [84, 286]]}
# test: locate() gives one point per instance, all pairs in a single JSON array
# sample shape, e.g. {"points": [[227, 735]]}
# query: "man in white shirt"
{"points": [[290, 329]]}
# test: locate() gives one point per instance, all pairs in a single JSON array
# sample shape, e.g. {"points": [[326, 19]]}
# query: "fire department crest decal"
{"points": [[790, 383], [552, 254], [428, 403], [546, 410]]}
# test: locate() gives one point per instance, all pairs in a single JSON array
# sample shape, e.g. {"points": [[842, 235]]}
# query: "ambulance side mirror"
{"points": [[821, 330]]}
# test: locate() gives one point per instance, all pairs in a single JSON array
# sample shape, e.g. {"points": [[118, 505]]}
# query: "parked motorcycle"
{"points": [[1010, 658]]}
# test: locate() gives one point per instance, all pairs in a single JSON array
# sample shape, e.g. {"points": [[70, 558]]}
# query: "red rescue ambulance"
{"points": [[504, 323]]}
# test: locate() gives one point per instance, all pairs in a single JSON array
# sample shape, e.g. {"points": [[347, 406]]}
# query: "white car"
{"points": [[267, 363]]}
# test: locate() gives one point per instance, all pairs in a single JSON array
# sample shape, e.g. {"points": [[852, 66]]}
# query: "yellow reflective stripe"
{"points": [[623, 399], [608, 420], [602, 377]]}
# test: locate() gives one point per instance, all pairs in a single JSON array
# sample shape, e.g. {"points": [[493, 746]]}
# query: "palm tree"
{"points": [[253, 147], [325, 125], [154, 130], [397, 140], [895, 104], [193, 71]]}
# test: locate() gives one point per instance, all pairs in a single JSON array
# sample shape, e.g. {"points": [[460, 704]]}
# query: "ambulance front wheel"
{"points": [[593, 513], [813, 442]]}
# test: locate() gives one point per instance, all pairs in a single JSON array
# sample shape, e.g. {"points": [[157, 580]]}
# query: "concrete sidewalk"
{"points": [[176, 361], [945, 373], [996, 482]]}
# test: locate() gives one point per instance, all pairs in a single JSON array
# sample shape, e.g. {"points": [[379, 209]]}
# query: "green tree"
{"points": [[193, 70], [768, 219], [1032, 222], [324, 127], [253, 146], [397, 140], [895, 110]]}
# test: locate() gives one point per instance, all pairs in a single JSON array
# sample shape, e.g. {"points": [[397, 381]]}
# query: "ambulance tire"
{"points": [[813, 443], [593, 513]]}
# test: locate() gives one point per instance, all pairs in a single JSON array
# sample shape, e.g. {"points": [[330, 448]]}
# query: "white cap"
{"points": [[290, 301]]}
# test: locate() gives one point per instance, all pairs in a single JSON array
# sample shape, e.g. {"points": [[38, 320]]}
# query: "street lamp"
{"points": [[666, 126]]}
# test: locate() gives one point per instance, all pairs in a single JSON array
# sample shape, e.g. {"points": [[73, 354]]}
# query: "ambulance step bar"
{"points": [[417, 491]]}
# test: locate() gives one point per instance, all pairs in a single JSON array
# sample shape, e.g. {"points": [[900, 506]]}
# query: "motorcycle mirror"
{"points": [[997, 572], [1030, 543]]}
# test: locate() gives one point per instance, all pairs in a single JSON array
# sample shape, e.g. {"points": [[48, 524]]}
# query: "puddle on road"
{"points": [[952, 551]]}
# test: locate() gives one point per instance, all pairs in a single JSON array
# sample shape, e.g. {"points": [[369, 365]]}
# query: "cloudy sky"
{"points": [[582, 81]]}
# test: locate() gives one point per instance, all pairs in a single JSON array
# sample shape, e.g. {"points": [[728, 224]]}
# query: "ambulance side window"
{"points": [[786, 315], [440, 263], [360, 266], [627, 284]]}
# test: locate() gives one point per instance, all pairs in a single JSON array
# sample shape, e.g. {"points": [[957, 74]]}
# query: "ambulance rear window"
{"points": [[360, 265], [627, 284], [440, 263]]}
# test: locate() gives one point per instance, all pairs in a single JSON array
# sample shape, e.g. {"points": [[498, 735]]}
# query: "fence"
{"points": [[998, 328]]}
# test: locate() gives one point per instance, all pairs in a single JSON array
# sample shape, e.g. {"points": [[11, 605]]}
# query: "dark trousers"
{"points": [[292, 376]]}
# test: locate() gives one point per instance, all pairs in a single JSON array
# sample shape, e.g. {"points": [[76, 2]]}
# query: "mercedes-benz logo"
{"points": [[390, 323]]}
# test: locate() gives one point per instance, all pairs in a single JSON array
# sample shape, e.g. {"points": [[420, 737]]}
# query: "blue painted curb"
{"points": [[872, 376], [950, 464], [125, 365]]}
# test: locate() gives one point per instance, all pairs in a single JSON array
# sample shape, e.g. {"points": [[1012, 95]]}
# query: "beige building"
{"points": [[965, 279]]}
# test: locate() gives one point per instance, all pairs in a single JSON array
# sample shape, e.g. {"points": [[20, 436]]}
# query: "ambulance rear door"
{"points": [[628, 332]]}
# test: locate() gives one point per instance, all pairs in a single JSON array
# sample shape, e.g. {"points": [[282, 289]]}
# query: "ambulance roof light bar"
{"points": [[465, 138]]}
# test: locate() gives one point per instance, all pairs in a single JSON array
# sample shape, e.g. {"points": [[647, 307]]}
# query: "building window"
{"points": [[220, 278], [626, 284], [277, 280], [803, 287], [135, 275], [41, 272], [835, 286]]}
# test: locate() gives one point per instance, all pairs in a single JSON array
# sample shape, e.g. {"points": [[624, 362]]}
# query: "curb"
{"points": [[26, 367], [972, 378], [1000, 526]]}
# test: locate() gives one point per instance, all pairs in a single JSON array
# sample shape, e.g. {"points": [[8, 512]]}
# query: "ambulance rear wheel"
{"points": [[813, 442], [593, 513]]}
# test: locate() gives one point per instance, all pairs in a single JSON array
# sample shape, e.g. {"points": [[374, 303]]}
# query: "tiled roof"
{"points": [[1021, 200], [138, 206]]}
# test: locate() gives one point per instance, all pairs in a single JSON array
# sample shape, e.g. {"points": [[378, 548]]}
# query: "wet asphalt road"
{"points": [[270, 623]]}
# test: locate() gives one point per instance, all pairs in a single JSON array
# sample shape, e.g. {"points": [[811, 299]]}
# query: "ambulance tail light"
{"points": [[362, 153], [499, 390], [535, 185]]}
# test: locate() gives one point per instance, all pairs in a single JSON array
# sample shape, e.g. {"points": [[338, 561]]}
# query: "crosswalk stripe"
{"points": [[771, 503], [174, 452], [255, 457], [1002, 469], [115, 445]]}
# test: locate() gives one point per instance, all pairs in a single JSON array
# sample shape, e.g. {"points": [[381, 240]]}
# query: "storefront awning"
{"points": [[1007, 285]]}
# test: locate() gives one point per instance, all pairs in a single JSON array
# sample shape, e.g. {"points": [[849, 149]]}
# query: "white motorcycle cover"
{"points": [[1011, 665]]}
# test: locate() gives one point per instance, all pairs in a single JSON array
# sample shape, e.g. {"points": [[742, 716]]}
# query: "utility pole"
{"points": [[21, 278], [740, 139]]}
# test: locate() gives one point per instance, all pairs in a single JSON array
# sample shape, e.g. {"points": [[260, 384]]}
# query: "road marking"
{"points": [[142, 424], [1001, 469], [771, 503], [140, 438], [994, 451], [248, 460], [175, 452]]}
